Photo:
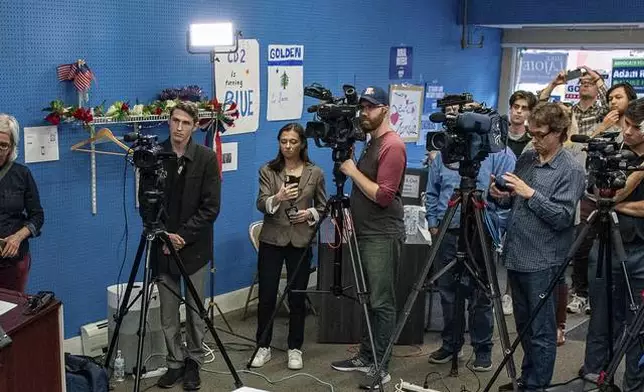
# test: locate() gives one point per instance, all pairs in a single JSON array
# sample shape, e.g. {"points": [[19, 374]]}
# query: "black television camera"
{"points": [[606, 163], [469, 136], [337, 126], [148, 157]]}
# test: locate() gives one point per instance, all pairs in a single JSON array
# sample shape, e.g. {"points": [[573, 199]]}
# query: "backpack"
{"points": [[83, 374]]}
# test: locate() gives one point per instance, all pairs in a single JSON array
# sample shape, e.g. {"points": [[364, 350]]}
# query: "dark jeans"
{"points": [[597, 355], [380, 259], [580, 260], [269, 265], [14, 276], [540, 342], [481, 320]]}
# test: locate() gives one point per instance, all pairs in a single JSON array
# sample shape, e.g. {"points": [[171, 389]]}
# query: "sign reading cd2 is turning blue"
{"points": [[400, 61]]}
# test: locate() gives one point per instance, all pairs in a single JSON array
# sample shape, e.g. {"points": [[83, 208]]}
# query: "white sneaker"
{"points": [[295, 359], [506, 304], [577, 304], [263, 356]]}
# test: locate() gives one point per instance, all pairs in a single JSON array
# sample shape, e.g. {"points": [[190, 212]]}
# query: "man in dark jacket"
{"points": [[191, 204]]}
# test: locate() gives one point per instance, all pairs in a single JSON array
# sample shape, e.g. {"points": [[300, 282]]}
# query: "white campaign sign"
{"points": [[41, 144], [237, 79], [285, 82]]}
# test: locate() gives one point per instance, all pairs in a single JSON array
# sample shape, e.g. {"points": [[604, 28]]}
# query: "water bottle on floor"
{"points": [[119, 367]]}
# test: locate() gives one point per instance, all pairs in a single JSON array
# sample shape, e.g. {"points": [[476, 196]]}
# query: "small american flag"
{"points": [[64, 72], [83, 78]]}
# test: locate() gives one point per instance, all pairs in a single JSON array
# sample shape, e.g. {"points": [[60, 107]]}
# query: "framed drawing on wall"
{"points": [[405, 110]]}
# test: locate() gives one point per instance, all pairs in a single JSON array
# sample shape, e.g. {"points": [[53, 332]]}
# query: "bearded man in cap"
{"points": [[377, 208]]}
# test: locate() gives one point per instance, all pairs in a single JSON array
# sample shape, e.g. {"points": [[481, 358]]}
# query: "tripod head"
{"points": [[148, 157], [469, 171], [152, 197]]}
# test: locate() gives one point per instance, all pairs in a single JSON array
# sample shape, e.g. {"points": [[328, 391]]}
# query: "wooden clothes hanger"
{"points": [[103, 133]]}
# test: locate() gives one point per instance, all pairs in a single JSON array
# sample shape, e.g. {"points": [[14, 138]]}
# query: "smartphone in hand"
{"points": [[575, 74]]}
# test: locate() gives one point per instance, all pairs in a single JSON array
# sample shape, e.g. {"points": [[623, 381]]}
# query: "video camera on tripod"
{"points": [[606, 163], [337, 127], [469, 135], [148, 157]]}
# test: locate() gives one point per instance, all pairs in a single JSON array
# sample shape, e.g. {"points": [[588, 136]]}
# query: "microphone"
{"points": [[131, 137], [438, 117], [580, 138]]}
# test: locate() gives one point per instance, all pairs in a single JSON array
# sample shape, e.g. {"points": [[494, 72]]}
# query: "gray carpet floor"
{"points": [[409, 362]]}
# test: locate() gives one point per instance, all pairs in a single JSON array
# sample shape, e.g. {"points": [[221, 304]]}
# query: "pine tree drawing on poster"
{"points": [[284, 80]]}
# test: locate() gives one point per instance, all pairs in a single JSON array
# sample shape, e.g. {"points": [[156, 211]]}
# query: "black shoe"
{"points": [[509, 387], [171, 377], [191, 380]]}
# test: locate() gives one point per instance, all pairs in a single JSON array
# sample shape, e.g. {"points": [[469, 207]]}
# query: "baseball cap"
{"points": [[375, 95]]}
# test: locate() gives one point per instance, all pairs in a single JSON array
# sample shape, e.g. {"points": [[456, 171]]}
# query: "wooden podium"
{"points": [[341, 319], [33, 362]]}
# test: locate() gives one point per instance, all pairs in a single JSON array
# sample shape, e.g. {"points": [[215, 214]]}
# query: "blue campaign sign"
{"points": [[629, 71], [400, 61], [542, 67]]}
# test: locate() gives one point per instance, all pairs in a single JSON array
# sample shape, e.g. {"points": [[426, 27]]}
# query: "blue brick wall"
{"points": [[137, 49], [497, 12]]}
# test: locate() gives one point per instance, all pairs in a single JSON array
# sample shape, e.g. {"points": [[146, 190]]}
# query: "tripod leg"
{"points": [[495, 296], [544, 297], [203, 313], [607, 254], [124, 302], [458, 315], [618, 246], [418, 286], [143, 317]]}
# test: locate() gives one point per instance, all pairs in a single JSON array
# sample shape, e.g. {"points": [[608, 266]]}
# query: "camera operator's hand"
{"points": [[496, 192], [348, 167], [518, 186], [433, 231], [301, 216], [177, 242], [286, 192]]}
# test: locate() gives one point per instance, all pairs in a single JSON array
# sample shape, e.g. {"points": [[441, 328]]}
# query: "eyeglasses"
{"points": [[539, 136], [368, 108], [5, 146]]}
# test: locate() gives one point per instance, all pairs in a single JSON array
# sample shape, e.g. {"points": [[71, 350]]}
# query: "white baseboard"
{"points": [[227, 302]]}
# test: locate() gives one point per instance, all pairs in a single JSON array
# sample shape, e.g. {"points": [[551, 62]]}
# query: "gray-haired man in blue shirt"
{"points": [[545, 189], [442, 182]]}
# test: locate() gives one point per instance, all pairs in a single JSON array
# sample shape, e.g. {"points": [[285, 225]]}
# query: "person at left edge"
{"points": [[21, 215], [192, 201]]}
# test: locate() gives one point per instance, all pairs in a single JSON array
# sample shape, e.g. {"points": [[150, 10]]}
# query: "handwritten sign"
{"points": [[285, 82], [411, 186], [405, 110], [237, 79]]}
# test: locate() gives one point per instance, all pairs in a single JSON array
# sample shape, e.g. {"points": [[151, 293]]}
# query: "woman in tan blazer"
{"points": [[292, 197]]}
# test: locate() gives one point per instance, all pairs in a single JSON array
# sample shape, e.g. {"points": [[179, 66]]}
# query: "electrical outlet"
{"points": [[405, 386]]}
